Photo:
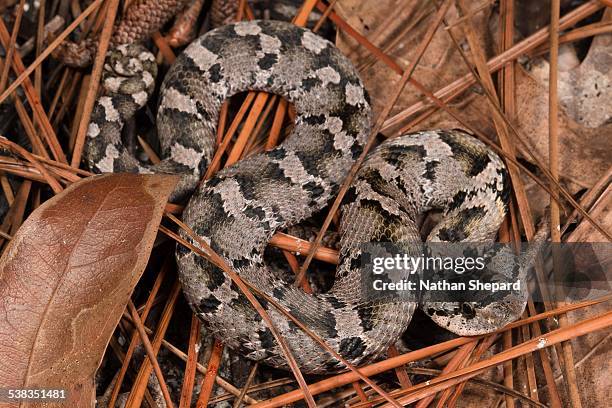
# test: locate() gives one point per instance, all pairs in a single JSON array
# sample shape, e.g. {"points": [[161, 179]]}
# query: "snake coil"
{"points": [[239, 209]]}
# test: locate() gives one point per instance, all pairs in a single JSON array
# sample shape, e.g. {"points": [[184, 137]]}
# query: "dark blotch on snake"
{"points": [[459, 231], [267, 61], [255, 213], [314, 119], [430, 170], [277, 154], [314, 190], [478, 159], [215, 73], [366, 317], [468, 311], [247, 185], [278, 293], [267, 338], [209, 305], [335, 302], [216, 275], [351, 347]]}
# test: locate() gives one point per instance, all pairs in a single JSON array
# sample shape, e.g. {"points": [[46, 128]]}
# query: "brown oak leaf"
{"points": [[67, 276]]}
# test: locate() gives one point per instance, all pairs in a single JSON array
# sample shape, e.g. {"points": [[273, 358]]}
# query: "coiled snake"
{"points": [[240, 208]]}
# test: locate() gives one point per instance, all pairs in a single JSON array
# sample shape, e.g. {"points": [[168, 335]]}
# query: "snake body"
{"points": [[239, 209]]}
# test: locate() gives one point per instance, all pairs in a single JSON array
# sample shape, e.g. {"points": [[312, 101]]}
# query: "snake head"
{"points": [[130, 69]]}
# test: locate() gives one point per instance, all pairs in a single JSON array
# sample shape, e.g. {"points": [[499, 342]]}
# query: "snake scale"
{"points": [[239, 209]]}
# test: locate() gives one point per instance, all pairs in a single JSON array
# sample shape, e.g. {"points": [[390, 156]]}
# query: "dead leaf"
{"points": [[441, 63], [584, 152], [585, 92], [66, 277]]}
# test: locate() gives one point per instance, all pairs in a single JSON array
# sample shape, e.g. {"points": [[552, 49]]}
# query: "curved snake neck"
{"points": [[239, 209]]}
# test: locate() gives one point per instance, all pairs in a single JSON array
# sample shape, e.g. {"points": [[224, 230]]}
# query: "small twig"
{"points": [[297, 245]]}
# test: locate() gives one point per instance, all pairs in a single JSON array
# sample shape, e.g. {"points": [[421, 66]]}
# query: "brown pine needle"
{"points": [[15, 148], [325, 15], [12, 45], [140, 384], [247, 384], [400, 371], [484, 345], [302, 17], [211, 374], [253, 142], [462, 354], [247, 128], [33, 99], [150, 353], [216, 160], [300, 247], [191, 366], [277, 123], [163, 46], [134, 340], [295, 268], [361, 394]]}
